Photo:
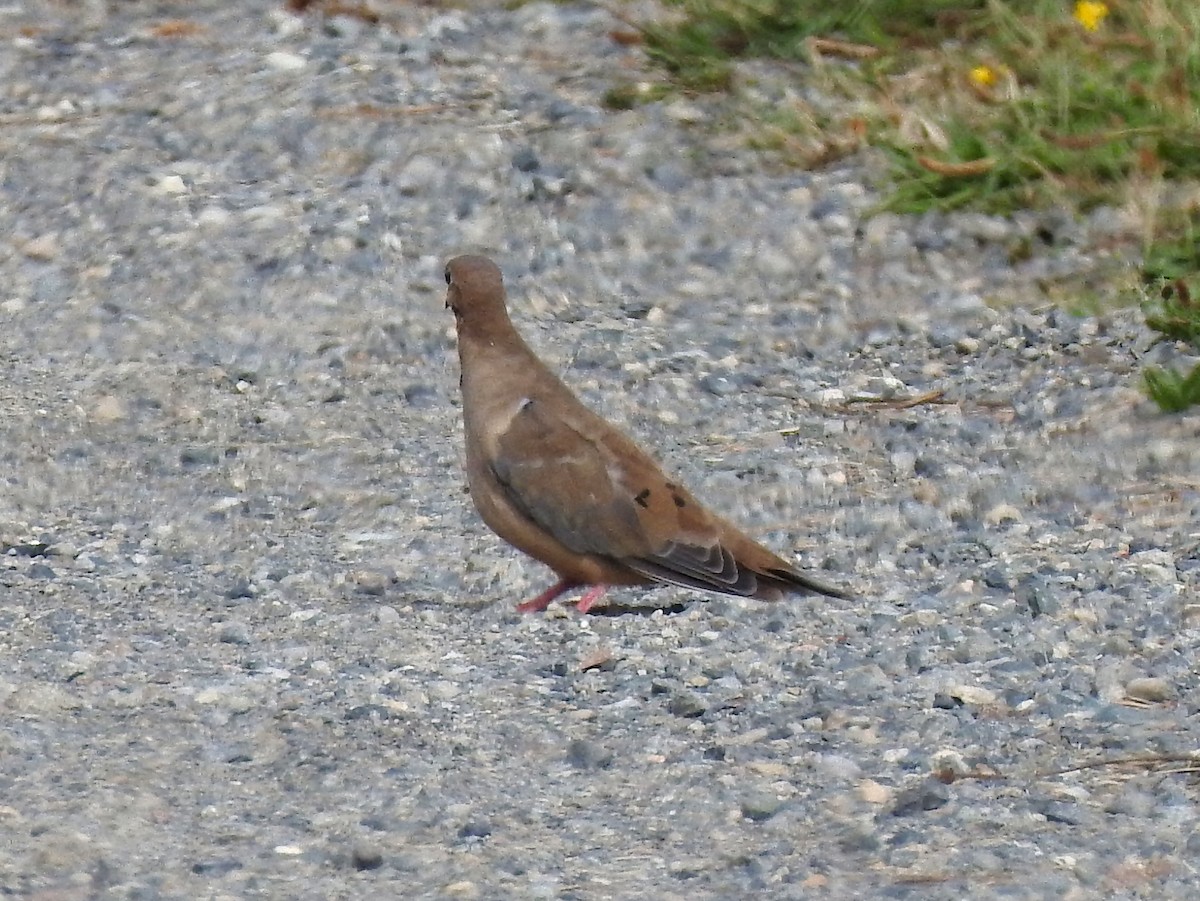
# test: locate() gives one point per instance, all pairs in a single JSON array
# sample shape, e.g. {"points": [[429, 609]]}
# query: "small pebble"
{"points": [[1149, 688], [760, 807], [286, 62]]}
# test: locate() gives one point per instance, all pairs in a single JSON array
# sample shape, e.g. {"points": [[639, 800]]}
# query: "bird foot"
{"points": [[590, 597], [542, 601]]}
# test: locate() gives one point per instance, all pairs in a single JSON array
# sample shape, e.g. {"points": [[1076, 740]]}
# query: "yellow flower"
{"points": [[1090, 13], [984, 76]]}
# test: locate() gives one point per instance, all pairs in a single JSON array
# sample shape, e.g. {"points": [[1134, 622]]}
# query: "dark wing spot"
{"points": [[641, 497], [679, 502]]}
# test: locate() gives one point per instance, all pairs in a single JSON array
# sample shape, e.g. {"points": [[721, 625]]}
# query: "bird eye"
{"points": [[447, 275]]}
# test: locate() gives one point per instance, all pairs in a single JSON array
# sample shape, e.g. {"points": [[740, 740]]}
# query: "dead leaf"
{"points": [[1083, 142], [957, 170], [596, 659], [176, 28], [873, 792], [845, 49]]}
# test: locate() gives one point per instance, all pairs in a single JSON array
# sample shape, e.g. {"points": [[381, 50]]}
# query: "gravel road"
{"points": [[254, 642]]}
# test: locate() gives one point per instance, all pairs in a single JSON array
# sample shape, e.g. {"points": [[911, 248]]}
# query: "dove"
{"points": [[558, 482]]}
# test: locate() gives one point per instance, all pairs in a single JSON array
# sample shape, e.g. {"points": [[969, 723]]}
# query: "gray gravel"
{"points": [[256, 644]]}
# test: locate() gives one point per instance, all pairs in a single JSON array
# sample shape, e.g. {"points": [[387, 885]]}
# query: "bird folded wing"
{"points": [[595, 492]]}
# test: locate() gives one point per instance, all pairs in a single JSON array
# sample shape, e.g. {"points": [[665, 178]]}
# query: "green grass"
{"points": [[1069, 113], [975, 104], [1176, 317], [1173, 391]]}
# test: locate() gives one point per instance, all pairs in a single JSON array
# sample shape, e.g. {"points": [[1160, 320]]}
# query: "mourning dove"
{"points": [[560, 483]]}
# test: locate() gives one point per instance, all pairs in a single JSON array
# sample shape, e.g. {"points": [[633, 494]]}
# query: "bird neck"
{"points": [[483, 326], [501, 373], [497, 348]]}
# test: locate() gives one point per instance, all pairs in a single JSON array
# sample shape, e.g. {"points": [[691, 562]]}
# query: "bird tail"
{"points": [[775, 583]]}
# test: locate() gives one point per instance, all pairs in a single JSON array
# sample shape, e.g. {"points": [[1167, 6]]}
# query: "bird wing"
{"points": [[596, 492]]}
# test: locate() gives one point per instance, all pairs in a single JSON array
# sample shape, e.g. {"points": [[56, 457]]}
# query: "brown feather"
{"points": [[558, 482]]}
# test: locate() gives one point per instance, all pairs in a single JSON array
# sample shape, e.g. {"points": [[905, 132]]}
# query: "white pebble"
{"points": [[967, 345], [684, 113], [1002, 513], [286, 62], [973, 694], [213, 217], [1148, 688], [170, 185], [42, 248]]}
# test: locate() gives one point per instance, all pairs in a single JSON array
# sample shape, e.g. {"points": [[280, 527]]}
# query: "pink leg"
{"points": [[542, 601], [592, 595]]}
